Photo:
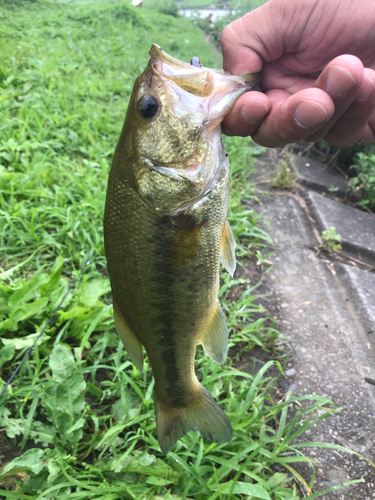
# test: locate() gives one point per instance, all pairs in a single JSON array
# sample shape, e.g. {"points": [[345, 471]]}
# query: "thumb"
{"points": [[252, 39]]}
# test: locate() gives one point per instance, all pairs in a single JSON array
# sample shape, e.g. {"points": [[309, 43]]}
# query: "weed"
{"points": [[283, 177], [332, 240], [263, 259], [364, 180]]}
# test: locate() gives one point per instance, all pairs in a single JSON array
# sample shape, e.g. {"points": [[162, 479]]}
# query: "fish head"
{"points": [[173, 129]]}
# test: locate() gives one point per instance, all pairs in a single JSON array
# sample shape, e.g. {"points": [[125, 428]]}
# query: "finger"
{"points": [[353, 125], [247, 114], [341, 79], [369, 130], [242, 47], [293, 118]]}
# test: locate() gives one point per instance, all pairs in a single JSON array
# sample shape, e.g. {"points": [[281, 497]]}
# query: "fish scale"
{"points": [[165, 231]]}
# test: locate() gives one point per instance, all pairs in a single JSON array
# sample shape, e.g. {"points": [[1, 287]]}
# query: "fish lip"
{"points": [[156, 52]]}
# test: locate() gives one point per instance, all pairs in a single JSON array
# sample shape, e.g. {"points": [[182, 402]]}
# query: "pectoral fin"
{"points": [[132, 345], [228, 245], [215, 337]]}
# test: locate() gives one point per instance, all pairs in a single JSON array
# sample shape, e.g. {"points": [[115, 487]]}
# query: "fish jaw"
{"points": [[207, 90], [174, 151]]}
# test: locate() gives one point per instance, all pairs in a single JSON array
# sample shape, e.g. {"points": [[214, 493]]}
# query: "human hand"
{"points": [[317, 59]]}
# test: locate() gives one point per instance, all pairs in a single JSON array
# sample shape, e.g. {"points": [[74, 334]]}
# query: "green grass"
{"points": [[78, 416]]}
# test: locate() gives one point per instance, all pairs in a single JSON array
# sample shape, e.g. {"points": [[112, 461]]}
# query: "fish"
{"points": [[165, 232]]}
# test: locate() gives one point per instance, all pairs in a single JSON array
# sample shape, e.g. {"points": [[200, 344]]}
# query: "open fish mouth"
{"points": [[211, 91], [173, 68]]}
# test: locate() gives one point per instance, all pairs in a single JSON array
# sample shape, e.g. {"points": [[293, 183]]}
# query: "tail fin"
{"points": [[204, 414]]}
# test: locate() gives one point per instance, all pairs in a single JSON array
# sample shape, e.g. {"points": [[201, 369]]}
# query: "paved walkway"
{"points": [[326, 306]]}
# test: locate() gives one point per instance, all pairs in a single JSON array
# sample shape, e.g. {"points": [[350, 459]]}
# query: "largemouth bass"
{"points": [[165, 230]]}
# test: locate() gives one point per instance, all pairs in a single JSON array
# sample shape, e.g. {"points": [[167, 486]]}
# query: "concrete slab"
{"points": [[361, 286], [331, 356], [318, 176], [356, 227]]}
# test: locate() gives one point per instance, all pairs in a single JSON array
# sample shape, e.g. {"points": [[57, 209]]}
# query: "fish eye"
{"points": [[148, 106]]}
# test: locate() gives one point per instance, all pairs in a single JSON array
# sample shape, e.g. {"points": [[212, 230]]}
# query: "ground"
{"points": [[328, 333]]}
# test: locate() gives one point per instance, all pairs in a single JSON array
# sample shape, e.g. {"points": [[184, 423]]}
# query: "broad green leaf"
{"points": [[74, 312], [28, 290], [57, 460], [30, 309], [130, 408], [62, 363], [13, 426], [42, 433], [241, 488], [76, 426], [6, 354], [54, 277], [24, 341], [8, 324], [144, 463], [146, 459], [31, 461], [69, 396], [58, 294], [92, 290], [63, 420]]}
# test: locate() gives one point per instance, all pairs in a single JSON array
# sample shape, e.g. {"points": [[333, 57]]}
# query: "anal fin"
{"points": [[132, 345], [228, 245], [215, 337]]}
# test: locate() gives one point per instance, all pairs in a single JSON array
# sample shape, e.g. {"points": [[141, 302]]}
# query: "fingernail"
{"points": [[339, 81], [310, 113], [253, 112]]}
